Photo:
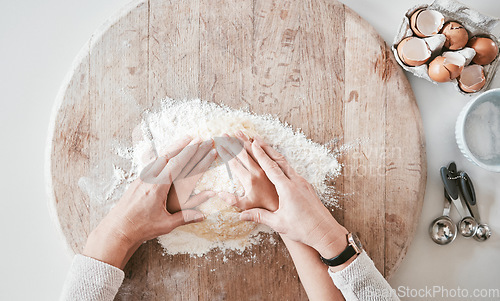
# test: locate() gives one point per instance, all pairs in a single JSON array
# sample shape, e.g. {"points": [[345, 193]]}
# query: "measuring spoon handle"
{"points": [[449, 180], [447, 204], [469, 194]]}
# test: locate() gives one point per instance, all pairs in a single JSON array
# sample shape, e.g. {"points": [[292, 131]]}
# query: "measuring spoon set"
{"points": [[458, 188]]}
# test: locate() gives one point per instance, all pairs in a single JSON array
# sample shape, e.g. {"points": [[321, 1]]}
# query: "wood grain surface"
{"points": [[314, 63]]}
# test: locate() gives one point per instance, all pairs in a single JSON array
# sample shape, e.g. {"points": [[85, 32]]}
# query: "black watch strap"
{"points": [[347, 254]]}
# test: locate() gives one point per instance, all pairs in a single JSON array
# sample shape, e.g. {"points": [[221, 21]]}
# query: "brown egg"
{"points": [[456, 35], [426, 22], [437, 71], [486, 50], [472, 79], [413, 51]]}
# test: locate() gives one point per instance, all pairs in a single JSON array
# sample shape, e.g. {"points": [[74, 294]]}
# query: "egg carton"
{"points": [[475, 22]]}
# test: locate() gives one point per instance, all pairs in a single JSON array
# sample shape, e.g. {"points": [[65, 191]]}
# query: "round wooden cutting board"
{"points": [[314, 63]]}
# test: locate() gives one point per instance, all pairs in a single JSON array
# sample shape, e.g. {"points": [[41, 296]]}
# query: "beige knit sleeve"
{"points": [[361, 281], [91, 280]]}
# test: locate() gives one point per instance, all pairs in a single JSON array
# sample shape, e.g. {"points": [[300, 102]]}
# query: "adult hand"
{"points": [[259, 191], [300, 216], [179, 196], [141, 214]]}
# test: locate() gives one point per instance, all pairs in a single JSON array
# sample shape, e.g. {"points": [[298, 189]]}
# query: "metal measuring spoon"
{"points": [[467, 225], [467, 189], [443, 230]]}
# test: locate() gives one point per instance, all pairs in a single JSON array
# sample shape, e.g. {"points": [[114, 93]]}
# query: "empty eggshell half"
{"points": [[413, 51], [472, 79], [456, 35], [426, 22]]}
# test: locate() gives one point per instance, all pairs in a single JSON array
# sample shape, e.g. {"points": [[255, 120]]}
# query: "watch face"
{"points": [[353, 238]]}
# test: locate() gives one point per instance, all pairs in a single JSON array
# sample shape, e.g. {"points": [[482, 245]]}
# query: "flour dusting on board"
{"points": [[222, 228]]}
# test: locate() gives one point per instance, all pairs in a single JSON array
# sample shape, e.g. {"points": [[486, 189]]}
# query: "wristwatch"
{"points": [[354, 247]]}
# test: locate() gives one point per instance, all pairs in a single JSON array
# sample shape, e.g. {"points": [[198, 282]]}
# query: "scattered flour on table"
{"points": [[222, 228]]}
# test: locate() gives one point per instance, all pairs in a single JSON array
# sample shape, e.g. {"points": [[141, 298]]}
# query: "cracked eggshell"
{"points": [[454, 62], [426, 22], [446, 67], [437, 71], [472, 79], [456, 35], [413, 51]]}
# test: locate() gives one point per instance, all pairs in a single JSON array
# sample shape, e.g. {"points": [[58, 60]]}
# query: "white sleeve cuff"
{"points": [[91, 279], [361, 280]]}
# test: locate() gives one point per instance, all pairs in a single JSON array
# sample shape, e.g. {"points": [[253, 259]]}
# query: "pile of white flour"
{"points": [[482, 132], [222, 228]]}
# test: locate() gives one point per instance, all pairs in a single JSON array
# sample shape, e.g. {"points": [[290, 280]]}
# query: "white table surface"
{"points": [[38, 42]]}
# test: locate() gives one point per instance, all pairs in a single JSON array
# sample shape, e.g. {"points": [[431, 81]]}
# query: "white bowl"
{"points": [[478, 130]]}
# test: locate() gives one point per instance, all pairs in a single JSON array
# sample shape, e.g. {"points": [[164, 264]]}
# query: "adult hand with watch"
{"points": [[300, 216], [313, 237], [277, 196]]}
